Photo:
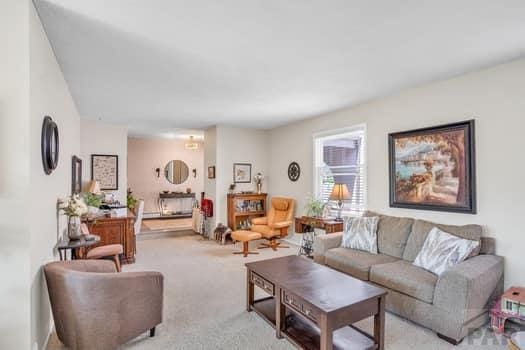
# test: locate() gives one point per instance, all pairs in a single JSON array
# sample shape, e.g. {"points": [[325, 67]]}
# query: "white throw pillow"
{"points": [[360, 233], [442, 250]]}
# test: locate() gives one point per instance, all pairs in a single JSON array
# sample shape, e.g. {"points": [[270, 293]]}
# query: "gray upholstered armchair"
{"points": [[94, 307]]}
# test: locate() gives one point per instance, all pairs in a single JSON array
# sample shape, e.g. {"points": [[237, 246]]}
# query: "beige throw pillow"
{"points": [[360, 233], [442, 251]]}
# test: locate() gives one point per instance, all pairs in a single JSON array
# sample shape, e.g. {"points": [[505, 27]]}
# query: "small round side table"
{"points": [[73, 246]]}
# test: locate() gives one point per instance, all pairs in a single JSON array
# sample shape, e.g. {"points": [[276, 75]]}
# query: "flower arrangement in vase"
{"points": [[258, 178], [93, 202], [73, 207]]}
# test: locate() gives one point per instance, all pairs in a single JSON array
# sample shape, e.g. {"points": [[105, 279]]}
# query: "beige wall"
{"points": [[49, 95], [238, 145], [31, 87], [225, 146], [495, 98], [210, 159], [103, 138], [15, 297], [147, 154]]}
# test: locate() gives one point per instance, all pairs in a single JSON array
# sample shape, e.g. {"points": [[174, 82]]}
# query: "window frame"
{"points": [[335, 133]]}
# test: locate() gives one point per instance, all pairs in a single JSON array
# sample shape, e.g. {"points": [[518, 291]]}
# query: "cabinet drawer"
{"points": [[300, 306], [267, 286]]}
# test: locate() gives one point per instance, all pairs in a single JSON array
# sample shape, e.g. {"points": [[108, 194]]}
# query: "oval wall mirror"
{"points": [[49, 145], [176, 172]]}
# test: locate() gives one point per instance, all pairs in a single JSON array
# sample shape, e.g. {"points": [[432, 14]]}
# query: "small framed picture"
{"points": [[211, 172], [104, 169], [242, 173]]}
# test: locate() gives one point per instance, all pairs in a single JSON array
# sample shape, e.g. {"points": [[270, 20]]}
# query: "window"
{"points": [[340, 157]]}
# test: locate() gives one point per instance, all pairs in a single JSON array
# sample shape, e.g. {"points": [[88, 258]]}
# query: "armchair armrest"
{"points": [[467, 288], [324, 243], [260, 221], [107, 306]]}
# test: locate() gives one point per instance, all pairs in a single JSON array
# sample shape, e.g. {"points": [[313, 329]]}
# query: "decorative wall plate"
{"points": [[294, 171], [49, 145]]}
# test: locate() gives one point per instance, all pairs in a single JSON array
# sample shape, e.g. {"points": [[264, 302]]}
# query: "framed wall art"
{"points": [[434, 168], [242, 173], [211, 172], [76, 175], [104, 169], [294, 171]]}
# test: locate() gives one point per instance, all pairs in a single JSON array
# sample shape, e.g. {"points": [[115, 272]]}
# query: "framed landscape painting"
{"points": [[434, 168]]}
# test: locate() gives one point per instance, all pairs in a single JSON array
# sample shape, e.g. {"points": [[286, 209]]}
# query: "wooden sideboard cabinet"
{"points": [[117, 230]]}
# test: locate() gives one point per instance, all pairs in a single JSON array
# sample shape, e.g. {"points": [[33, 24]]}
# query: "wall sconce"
{"points": [[158, 172], [194, 172]]}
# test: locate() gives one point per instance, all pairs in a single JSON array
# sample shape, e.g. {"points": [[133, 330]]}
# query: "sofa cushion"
{"points": [[392, 234], [442, 251], [405, 278], [360, 233], [355, 262], [421, 229]]}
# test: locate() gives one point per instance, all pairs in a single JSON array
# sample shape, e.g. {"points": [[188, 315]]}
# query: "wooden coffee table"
{"points": [[315, 307]]}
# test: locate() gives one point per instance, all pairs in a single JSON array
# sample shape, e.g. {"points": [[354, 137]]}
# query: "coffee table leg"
{"points": [[326, 333], [280, 314], [379, 325], [249, 291]]}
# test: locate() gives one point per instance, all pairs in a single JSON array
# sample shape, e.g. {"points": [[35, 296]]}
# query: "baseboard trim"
{"points": [[51, 330]]}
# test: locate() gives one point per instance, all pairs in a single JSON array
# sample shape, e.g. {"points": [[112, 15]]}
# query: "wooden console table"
{"points": [[116, 230], [329, 225]]}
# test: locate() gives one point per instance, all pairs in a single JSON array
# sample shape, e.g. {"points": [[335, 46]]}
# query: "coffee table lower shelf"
{"points": [[306, 335]]}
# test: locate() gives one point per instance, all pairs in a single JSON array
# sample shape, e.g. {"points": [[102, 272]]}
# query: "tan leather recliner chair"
{"points": [[94, 307], [275, 225]]}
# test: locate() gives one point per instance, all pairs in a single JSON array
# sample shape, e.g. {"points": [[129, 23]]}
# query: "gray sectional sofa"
{"points": [[453, 305]]}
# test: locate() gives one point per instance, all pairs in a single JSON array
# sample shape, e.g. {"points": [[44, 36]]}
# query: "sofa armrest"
{"points": [[260, 221], [107, 306], [324, 243], [467, 288]]}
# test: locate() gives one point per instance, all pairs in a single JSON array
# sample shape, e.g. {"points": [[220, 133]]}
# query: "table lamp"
{"points": [[340, 193], [94, 187]]}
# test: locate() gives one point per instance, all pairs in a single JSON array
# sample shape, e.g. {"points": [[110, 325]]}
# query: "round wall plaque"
{"points": [[49, 145], [294, 171]]}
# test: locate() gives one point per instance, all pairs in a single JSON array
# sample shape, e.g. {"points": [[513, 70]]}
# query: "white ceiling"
{"points": [[165, 64]]}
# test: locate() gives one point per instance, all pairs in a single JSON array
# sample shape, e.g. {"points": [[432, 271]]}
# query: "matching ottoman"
{"points": [[245, 237]]}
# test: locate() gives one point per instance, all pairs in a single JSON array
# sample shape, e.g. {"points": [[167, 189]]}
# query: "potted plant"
{"points": [[93, 201], [73, 207], [131, 201], [314, 207], [314, 210]]}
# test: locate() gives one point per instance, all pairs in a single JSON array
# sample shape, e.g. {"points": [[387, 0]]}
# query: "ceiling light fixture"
{"points": [[191, 144]]}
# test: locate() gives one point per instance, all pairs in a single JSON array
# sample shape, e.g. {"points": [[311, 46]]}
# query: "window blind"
{"points": [[340, 158]]}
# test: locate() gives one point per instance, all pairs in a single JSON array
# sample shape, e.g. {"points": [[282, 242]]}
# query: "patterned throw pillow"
{"points": [[360, 233], [442, 250]]}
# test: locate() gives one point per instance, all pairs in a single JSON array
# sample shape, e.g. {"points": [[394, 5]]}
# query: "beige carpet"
{"points": [[166, 225], [204, 305]]}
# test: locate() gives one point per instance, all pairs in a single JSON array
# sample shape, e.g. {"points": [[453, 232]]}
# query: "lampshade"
{"points": [[94, 187], [340, 193]]}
